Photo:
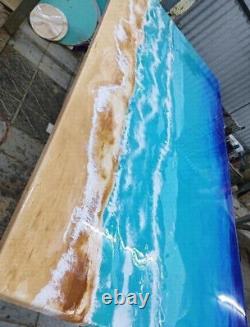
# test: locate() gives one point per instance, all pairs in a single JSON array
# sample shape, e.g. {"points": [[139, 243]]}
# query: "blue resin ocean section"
{"points": [[169, 227]]}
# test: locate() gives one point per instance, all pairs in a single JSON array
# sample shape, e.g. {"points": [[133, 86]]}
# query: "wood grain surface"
{"points": [[50, 255]]}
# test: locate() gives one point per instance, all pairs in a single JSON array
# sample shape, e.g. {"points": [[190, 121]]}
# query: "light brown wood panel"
{"points": [[12, 4], [50, 255]]}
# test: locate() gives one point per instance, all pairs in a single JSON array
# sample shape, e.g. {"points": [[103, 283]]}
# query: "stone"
{"points": [[12, 314], [45, 321]]}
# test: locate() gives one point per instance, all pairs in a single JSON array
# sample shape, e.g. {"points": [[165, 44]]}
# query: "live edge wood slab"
{"points": [[48, 259]]}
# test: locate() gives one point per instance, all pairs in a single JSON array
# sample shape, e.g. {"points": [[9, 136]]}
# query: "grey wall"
{"points": [[220, 31]]}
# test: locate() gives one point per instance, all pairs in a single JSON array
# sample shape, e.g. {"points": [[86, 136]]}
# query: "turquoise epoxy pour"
{"points": [[169, 222]]}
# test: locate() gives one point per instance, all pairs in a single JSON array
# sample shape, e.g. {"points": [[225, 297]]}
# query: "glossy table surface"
{"points": [[132, 194]]}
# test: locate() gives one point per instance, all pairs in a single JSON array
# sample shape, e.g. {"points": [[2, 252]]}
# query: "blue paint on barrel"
{"points": [[102, 5], [82, 19]]}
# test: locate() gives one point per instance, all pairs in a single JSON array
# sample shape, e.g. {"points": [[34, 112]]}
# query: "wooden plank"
{"points": [[12, 4], [48, 261]]}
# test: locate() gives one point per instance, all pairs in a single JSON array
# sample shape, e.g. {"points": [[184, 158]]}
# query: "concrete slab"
{"points": [[7, 207], [8, 324], [27, 47], [23, 122], [8, 104], [45, 97], [45, 321], [13, 176], [40, 107], [26, 29], [32, 123], [55, 72], [18, 156], [22, 147], [4, 38], [15, 315], [64, 56], [56, 61], [3, 130], [16, 73]]}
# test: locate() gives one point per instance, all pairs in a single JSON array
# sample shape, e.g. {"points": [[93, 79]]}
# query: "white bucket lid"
{"points": [[49, 22]]}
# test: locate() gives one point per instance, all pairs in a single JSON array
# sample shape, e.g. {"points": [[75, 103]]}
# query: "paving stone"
{"points": [[16, 73], [3, 130], [45, 97], [13, 176], [45, 321], [22, 147], [32, 47], [26, 29], [23, 123], [40, 107], [29, 44], [17, 315], [7, 207], [4, 38], [55, 72], [33, 124], [4, 13], [64, 56], [8, 105], [8, 324], [56, 61]]}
